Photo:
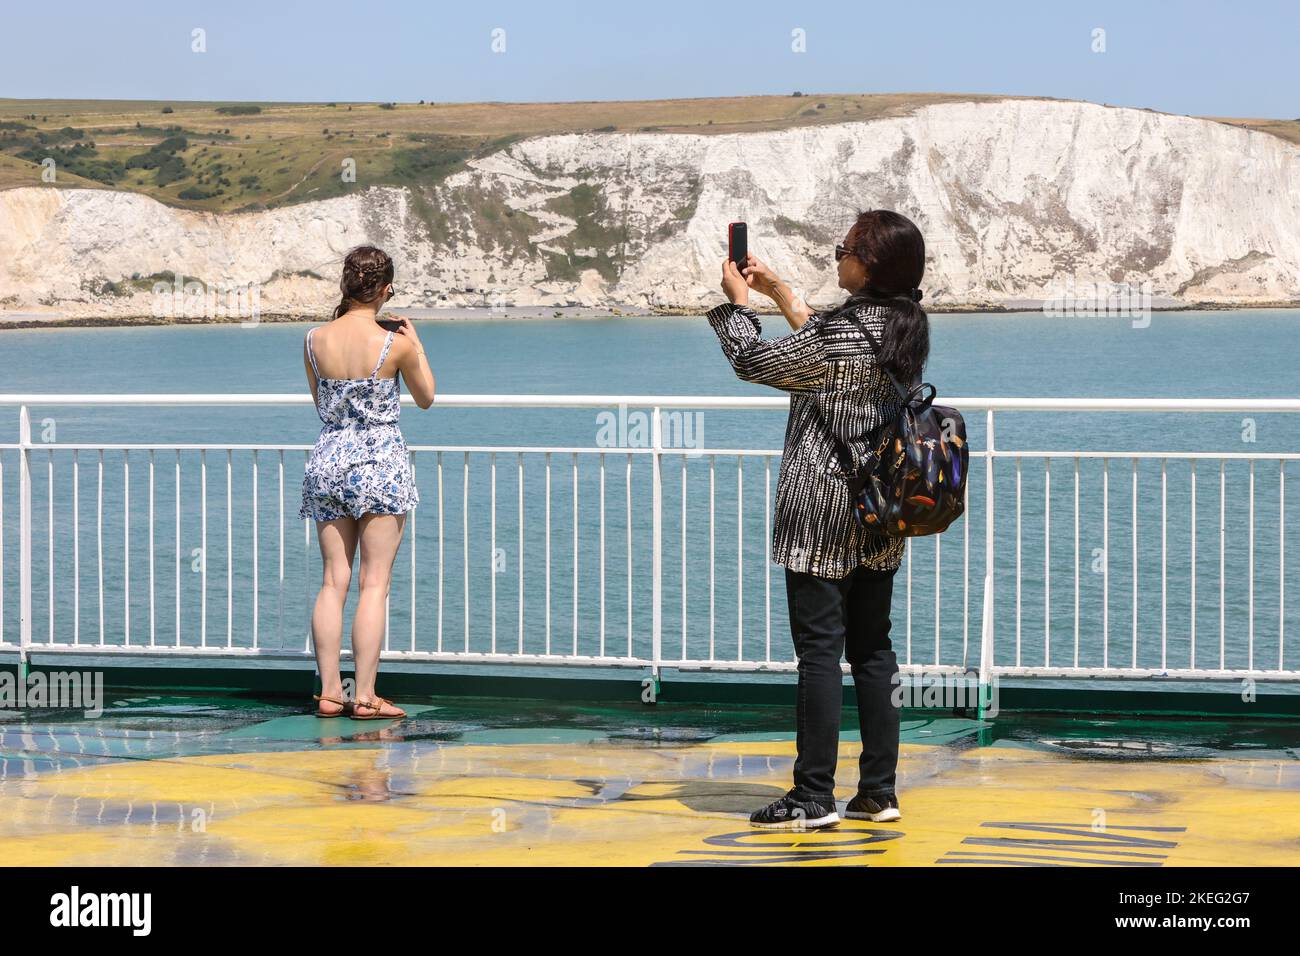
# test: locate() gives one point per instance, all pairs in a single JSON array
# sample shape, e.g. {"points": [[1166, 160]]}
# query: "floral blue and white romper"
{"points": [[360, 464]]}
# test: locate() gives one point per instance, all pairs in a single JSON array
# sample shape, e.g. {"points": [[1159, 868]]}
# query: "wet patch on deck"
{"points": [[181, 780]]}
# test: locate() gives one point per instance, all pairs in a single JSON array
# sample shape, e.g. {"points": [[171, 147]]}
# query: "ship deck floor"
{"points": [[210, 780]]}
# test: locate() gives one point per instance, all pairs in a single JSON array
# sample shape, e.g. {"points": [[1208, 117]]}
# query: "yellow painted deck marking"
{"points": [[629, 804]]}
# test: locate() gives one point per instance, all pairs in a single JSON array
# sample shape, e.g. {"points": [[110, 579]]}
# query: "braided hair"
{"points": [[367, 271]]}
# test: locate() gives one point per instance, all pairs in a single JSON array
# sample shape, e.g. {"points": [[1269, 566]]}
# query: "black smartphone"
{"points": [[389, 325], [738, 244]]}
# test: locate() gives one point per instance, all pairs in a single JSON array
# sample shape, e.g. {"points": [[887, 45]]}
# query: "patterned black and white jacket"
{"points": [[826, 365]]}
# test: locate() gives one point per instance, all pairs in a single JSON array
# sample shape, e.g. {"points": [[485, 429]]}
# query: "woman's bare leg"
{"points": [[380, 537], [338, 546]]}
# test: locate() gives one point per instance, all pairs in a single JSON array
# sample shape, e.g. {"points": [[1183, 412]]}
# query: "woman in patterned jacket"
{"points": [[839, 577]]}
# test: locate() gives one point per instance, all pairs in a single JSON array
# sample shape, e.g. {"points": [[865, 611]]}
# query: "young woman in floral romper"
{"points": [[358, 485]]}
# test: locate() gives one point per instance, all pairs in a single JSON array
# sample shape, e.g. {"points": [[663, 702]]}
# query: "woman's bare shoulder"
{"points": [[321, 330]]}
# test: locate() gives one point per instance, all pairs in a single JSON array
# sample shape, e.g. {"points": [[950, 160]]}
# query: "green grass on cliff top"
{"points": [[235, 156]]}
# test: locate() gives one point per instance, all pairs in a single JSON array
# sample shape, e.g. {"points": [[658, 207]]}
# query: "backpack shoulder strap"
{"points": [[841, 450], [877, 351]]}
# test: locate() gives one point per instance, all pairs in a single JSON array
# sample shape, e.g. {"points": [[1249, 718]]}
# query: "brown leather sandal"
{"points": [[376, 704], [343, 706]]}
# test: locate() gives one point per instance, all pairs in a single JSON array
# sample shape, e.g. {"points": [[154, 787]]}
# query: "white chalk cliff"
{"points": [[1015, 198]]}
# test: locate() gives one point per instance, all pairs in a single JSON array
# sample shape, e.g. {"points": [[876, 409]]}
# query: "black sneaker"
{"points": [[880, 809], [792, 813]]}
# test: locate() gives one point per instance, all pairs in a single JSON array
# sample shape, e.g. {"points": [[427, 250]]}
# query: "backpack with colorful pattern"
{"points": [[914, 482]]}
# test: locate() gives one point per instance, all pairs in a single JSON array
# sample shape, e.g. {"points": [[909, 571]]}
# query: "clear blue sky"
{"points": [[1198, 57]]}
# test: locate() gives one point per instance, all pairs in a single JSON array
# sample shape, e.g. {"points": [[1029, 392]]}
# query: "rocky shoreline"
{"points": [[28, 320]]}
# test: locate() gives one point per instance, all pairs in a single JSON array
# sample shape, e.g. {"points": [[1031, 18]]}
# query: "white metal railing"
{"points": [[646, 588]]}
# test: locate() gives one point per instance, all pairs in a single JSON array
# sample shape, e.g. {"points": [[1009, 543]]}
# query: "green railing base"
{"points": [[1095, 696]]}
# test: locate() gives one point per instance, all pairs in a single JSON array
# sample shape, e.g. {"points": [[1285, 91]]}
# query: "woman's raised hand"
{"points": [[734, 286], [759, 277], [406, 329], [415, 365]]}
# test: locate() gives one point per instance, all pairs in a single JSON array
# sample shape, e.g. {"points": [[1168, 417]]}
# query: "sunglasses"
{"points": [[841, 252]]}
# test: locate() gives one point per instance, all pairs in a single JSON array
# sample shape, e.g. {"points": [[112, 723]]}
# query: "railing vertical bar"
{"points": [[76, 546], [2, 546], [713, 461], [1192, 627], [492, 536], [1164, 563], [24, 533], [415, 480], [547, 531], [1076, 561], [575, 554], [464, 512], [49, 539], [987, 621], [628, 502], [740, 557], [1250, 572], [602, 554], [308, 643], [279, 600], [628, 499], [767, 561], [1135, 563], [684, 577], [440, 552], [257, 578], [909, 607], [656, 542], [177, 536], [99, 541], [1281, 562], [203, 553], [938, 607], [388, 616], [1018, 574], [388, 606], [126, 548], [153, 636], [1047, 562], [230, 549], [519, 558], [1105, 562], [965, 575], [1223, 496]]}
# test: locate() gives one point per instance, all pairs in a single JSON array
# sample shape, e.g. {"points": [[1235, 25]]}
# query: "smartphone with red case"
{"points": [[738, 244]]}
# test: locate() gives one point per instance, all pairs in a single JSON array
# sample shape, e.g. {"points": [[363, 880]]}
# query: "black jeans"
{"points": [[829, 618]]}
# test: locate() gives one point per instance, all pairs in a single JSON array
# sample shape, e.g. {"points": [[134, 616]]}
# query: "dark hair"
{"points": [[366, 271], [893, 251]]}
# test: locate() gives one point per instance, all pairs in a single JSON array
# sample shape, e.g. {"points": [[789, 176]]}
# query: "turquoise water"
{"points": [[1229, 354]]}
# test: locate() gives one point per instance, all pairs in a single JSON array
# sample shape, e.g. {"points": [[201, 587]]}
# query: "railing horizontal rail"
{"points": [[693, 453], [671, 401]]}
